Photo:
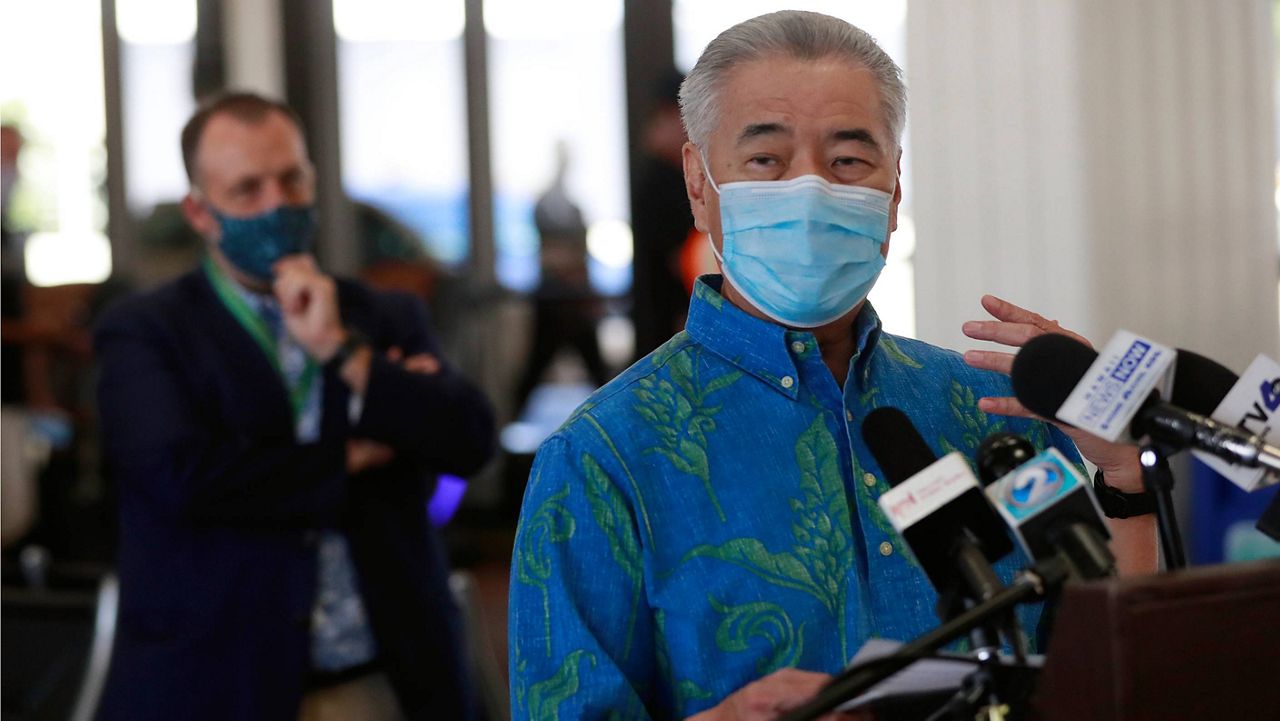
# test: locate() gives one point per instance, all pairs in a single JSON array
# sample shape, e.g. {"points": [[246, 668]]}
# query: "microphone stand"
{"points": [[975, 582], [968, 701], [1158, 480], [1032, 583], [979, 583]]}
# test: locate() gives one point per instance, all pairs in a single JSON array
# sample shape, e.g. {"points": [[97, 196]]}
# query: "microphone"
{"points": [[1047, 369], [1050, 507], [937, 506], [1199, 383], [1251, 406]]}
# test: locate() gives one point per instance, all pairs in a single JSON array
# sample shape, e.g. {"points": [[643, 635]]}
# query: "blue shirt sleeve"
{"points": [[581, 636]]}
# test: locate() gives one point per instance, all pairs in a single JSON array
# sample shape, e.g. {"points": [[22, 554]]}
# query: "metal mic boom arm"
{"points": [[1172, 425], [1032, 584]]}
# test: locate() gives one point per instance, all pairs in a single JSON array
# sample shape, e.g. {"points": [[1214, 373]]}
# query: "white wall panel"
{"points": [[1107, 163]]}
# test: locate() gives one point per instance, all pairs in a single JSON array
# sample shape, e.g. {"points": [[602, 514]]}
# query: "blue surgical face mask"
{"points": [[254, 244], [803, 251]]}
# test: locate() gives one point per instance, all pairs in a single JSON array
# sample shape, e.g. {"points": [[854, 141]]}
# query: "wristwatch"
{"points": [[354, 342], [1117, 504]]}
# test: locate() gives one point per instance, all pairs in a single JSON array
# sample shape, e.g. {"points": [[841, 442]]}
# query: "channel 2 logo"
{"points": [[1034, 485]]}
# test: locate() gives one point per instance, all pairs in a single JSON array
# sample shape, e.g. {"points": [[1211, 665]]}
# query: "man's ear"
{"points": [[897, 197], [199, 217], [695, 184]]}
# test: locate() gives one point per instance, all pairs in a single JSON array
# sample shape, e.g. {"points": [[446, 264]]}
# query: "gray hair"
{"points": [[789, 33]]}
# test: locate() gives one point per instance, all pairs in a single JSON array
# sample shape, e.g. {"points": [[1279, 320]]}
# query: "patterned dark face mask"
{"points": [[255, 243]]}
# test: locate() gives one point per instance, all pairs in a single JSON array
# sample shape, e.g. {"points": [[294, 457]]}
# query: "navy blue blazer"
{"points": [[220, 508]]}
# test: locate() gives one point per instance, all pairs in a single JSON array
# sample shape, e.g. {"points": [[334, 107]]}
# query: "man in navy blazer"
{"points": [[273, 433]]}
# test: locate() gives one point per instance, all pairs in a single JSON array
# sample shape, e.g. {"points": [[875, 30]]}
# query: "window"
{"points": [[557, 83], [402, 114], [157, 50], [57, 104]]}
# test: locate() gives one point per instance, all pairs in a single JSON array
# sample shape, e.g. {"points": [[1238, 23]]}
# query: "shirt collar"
{"points": [[258, 301], [263, 305], [762, 348], [866, 330]]}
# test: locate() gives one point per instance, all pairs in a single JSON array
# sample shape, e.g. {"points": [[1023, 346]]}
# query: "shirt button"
{"points": [[886, 548], [869, 479], [788, 381], [848, 416], [797, 346]]}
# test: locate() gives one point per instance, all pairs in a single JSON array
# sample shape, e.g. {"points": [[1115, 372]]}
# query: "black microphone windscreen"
{"points": [[1048, 367], [999, 454], [1200, 384], [965, 519], [1046, 370], [896, 444]]}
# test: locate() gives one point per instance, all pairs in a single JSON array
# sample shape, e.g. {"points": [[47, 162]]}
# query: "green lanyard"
{"points": [[257, 329]]}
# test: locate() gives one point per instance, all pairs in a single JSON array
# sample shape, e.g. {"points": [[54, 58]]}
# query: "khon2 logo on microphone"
{"points": [[1034, 486]]}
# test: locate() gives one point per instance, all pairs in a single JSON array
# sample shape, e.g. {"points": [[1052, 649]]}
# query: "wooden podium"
{"points": [[1200, 644]]}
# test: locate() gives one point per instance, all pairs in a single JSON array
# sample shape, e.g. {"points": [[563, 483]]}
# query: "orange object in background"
{"points": [[696, 258]]}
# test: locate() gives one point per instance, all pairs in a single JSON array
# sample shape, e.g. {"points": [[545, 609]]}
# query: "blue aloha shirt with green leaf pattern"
{"points": [[710, 516]]}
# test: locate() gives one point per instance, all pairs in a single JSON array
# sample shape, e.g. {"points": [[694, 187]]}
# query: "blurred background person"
{"points": [[19, 502], [274, 434], [566, 309], [45, 341], [661, 223]]}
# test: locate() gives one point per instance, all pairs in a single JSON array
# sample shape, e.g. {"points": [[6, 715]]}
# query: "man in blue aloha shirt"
{"points": [[706, 525]]}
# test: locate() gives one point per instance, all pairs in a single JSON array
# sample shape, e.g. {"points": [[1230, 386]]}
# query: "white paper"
{"points": [[929, 675]]}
